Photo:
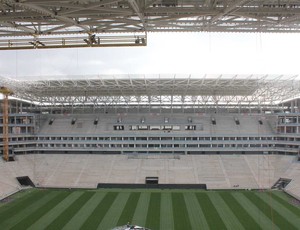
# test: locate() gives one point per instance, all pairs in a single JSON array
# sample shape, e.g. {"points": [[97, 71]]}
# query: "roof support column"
{"points": [[297, 121], [259, 107], [292, 107]]}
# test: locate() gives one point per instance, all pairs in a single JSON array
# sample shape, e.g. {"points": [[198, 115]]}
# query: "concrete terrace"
{"points": [[86, 171]]}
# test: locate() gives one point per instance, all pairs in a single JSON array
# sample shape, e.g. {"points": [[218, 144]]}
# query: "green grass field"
{"points": [[154, 209]]}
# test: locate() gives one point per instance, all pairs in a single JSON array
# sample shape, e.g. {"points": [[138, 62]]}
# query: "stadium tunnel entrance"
{"points": [[25, 181]]}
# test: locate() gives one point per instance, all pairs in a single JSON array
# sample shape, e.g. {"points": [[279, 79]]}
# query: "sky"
{"points": [[165, 53]]}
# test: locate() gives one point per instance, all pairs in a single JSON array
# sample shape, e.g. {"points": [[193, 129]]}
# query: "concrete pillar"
{"points": [[284, 130]]}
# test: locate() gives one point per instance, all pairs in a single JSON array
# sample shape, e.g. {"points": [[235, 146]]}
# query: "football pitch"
{"points": [[155, 209]]}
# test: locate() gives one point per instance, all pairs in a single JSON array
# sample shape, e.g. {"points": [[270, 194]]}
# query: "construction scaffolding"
{"points": [[61, 24]]}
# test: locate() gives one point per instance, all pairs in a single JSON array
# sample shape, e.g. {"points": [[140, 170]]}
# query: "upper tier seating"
{"points": [[225, 123]]}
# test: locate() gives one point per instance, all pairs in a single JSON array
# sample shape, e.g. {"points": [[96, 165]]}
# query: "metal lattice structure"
{"points": [[160, 90], [27, 24]]}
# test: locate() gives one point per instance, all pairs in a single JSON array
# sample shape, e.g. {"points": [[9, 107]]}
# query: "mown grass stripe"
{"points": [[282, 210], [239, 211], [68, 213], [111, 218], [52, 214], [166, 212], [81, 216], [285, 196], [273, 215], [262, 220], [128, 211], [282, 195], [99, 212], [16, 198], [140, 214], [30, 214], [8, 212], [195, 212], [225, 212], [287, 203], [153, 215], [213, 219], [180, 214]]}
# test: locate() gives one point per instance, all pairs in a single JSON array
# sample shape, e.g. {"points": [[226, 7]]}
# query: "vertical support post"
{"points": [[5, 128], [297, 127], [292, 107]]}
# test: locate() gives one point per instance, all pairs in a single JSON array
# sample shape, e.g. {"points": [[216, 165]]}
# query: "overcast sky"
{"points": [[171, 53]]}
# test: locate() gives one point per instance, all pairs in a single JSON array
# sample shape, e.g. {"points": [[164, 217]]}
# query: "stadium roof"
{"points": [[52, 24], [159, 89]]}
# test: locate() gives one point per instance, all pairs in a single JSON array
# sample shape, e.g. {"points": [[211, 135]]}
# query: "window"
{"points": [[192, 145], [154, 127], [133, 127], [143, 127], [167, 127], [190, 127], [118, 127], [153, 138], [178, 138]]}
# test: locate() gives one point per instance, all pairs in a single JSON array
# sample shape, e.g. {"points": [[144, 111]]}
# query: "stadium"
{"points": [[163, 151]]}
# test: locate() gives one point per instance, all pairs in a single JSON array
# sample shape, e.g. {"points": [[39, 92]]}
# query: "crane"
{"points": [[6, 92]]}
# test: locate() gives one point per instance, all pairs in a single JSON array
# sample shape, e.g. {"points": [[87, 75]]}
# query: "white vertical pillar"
{"points": [[292, 107]]}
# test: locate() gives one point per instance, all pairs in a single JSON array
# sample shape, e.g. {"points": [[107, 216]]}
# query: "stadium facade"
{"points": [[155, 114], [219, 131]]}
